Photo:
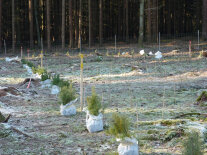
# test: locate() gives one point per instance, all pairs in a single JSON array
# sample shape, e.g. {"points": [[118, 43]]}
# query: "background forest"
{"points": [[68, 23]]}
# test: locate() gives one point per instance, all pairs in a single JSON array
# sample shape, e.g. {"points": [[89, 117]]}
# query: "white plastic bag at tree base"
{"points": [[128, 147], [94, 123], [11, 59], [55, 90], [141, 52], [68, 109], [29, 70], [158, 55], [46, 83], [150, 53]]}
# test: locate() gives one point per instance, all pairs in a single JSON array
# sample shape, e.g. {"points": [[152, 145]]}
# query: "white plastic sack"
{"points": [[94, 123], [141, 52], [29, 70], [68, 109], [46, 83], [11, 59], [158, 55], [55, 90], [128, 147]]}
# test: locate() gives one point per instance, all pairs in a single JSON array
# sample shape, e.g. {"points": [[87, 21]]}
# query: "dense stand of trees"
{"points": [[69, 23]]}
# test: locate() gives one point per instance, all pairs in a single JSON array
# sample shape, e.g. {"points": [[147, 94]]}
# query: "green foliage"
{"points": [[39, 70], [94, 103], [192, 145], [67, 94], [45, 76], [202, 97], [2, 118], [56, 80], [28, 63], [119, 126]]}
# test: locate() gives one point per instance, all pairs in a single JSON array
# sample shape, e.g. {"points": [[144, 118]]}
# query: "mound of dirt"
{"points": [[10, 90]]}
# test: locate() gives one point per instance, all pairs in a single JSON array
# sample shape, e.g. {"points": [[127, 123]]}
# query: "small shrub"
{"points": [[193, 145], [28, 63], [94, 103], [39, 70], [67, 94], [45, 76], [56, 80], [119, 126]]}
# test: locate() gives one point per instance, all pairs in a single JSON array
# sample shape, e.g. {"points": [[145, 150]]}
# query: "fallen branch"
{"points": [[190, 114], [21, 132], [7, 119]]}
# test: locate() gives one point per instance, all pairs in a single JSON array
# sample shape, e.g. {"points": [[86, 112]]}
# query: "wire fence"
{"points": [[161, 42]]}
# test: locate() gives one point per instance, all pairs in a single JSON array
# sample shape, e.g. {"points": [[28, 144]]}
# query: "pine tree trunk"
{"points": [[0, 25], [76, 23], [141, 23], [204, 24], [89, 23], [48, 25], [37, 23], [63, 24], [80, 24], [100, 22], [31, 23], [13, 26], [155, 22], [149, 23], [127, 20], [71, 22]]}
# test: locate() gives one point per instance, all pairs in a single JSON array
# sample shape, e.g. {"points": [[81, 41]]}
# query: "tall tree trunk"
{"points": [[100, 22], [149, 23], [204, 24], [71, 22], [48, 25], [141, 23], [63, 24], [155, 20], [80, 24], [76, 23], [89, 23], [0, 24], [37, 23], [127, 20], [13, 26], [31, 23]]}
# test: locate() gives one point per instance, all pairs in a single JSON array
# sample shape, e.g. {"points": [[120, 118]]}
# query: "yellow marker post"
{"points": [[81, 81], [41, 56]]}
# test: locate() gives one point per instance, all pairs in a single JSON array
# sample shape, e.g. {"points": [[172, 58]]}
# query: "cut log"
{"points": [[190, 114]]}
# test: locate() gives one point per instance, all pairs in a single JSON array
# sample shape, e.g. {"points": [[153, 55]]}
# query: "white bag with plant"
{"points": [[120, 129], [94, 118], [67, 99]]}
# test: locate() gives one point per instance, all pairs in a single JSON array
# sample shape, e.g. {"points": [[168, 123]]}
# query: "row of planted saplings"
{"points": [[119, 126]]}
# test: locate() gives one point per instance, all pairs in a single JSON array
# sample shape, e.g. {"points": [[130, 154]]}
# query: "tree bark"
{"points": [[127, 20], [0, 25], [63, 24], [100, 22], [13, 26], [141, 23], [31, 23], [37, 23], [149, 23], [155, 22], [204, 24], [48, 25], [71, 22], [80, 24], [89, 23]]}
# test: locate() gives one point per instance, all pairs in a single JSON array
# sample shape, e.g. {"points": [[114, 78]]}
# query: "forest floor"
{"points": [[150, 92]]}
